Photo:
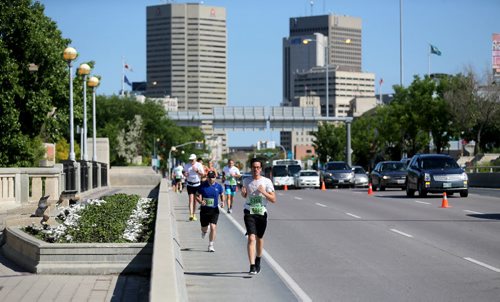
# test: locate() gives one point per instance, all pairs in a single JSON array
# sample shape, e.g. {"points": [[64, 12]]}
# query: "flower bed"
{"points": [[106, 236], [117, 218]]}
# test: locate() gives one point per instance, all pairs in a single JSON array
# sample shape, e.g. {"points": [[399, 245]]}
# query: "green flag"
{"points": [[435, 50]]}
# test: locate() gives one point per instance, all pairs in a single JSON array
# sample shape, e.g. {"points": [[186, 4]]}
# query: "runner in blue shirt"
{"points": [[208, 196]]}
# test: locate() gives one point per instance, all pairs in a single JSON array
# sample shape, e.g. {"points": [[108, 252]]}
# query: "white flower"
{"points": [[134, 227]]}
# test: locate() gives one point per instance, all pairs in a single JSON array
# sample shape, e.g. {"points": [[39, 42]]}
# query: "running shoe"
{"points": [[190, 218], [211, 248], [194, 218], [203, 234], [253, 270], [257, 264], [229, 211]]}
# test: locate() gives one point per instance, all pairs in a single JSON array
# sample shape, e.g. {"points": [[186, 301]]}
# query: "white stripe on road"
{"points": [[422, 202], [290, 283], [401, 233], [483, 264], [280, 194], [320, 204], [473, 212], [352, 215], [299, 198]]}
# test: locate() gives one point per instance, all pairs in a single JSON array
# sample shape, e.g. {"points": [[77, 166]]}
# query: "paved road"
{"points": [[343, 245], [18, 285]]}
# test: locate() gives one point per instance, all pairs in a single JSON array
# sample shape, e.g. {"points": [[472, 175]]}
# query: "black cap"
{"points": [[211, 174]]}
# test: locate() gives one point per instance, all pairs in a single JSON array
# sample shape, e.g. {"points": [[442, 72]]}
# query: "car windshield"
{"points": [[359, 170], [393, 167], [439, 163], [293, 169], [279, 171], [308, 173], [337, 166]]}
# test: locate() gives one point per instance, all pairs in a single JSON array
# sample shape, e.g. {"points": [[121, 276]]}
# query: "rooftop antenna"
{"points": [[312, 5]]}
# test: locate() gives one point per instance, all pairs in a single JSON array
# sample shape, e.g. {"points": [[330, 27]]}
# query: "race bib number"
{"points": [[209, 202], [256, 206], [232, 180]]}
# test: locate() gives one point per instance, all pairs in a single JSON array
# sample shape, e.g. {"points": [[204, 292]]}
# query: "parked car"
{"points": [[435, 173], [360, 177], [307, 179], [388, 174], [337, 174]]}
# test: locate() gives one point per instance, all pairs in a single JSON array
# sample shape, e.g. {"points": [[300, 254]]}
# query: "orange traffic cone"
{"points": [[285, 188], [370, 191], [323, 188], [444, 203]]}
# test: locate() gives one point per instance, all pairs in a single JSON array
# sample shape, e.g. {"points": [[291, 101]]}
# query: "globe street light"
{"points": [[84, 71], [69, 55], [93, 82]]}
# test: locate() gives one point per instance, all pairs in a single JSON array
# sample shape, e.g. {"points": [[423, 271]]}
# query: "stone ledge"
{"points": [[41, 257]]}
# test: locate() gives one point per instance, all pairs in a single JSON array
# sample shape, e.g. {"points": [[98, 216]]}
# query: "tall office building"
{"points": [[186, 45], [338, 36]]}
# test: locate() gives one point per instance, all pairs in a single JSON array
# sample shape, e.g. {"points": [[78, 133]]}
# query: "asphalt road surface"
{"points": [[346, 245]]}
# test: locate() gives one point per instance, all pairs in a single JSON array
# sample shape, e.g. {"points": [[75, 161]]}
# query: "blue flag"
{"points": [[125, 79], [435, 50]]}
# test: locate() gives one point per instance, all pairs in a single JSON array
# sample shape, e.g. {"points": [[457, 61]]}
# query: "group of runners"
{"points": [[204, 190]]}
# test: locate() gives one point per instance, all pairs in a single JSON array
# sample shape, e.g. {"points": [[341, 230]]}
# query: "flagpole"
{"points": [[123, 75], [429, 63]]}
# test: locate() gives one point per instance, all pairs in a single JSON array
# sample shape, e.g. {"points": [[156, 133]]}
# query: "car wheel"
{"points": [[450, 194], [410, 192], [382, 188], [464, 193], [421, 191]]}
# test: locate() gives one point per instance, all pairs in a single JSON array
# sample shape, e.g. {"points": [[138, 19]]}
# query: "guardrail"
{"points": [[24, 185], [482, 169]]}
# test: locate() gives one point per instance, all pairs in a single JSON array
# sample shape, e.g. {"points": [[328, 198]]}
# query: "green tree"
{"points": [[480, 98], [329, 142], [32, 83]]}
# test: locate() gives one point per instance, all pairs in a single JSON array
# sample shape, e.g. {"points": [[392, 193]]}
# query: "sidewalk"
{"points": [[18, 285], [223, 275]]}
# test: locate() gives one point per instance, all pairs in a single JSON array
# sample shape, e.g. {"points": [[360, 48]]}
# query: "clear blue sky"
{"points": [[107, 30]]}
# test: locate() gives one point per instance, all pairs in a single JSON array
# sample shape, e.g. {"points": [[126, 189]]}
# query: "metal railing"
{"points": [[482, 169]]}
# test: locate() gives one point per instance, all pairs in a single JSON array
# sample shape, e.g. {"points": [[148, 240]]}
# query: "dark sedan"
{"points": [[388, 174], [435, 173]]}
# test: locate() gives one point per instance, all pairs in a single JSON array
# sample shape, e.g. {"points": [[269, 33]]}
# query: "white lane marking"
{"points": [[352, 215], [299, 198], [290, 283], [422, 202], [473, 212], [402, 233], [483, 264], [320, 204], [280, 194]]}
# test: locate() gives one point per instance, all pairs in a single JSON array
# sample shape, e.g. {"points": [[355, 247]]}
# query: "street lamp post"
{"points": [[327, 80], [284, 151], [93, 82], [84, 71], [69, 55]]}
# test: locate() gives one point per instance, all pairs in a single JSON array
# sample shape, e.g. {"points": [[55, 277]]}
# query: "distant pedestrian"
{"points": [[230, 173], [193, 172], [177, 178], [208, 196], [257, 191], [212, 168]]}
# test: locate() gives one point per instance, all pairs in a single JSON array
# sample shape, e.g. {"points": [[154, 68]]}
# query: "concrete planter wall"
{"points": [[41, 257]]}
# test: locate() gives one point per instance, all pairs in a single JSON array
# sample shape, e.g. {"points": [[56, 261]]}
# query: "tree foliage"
{"points": [[28, 96], [118, 119]]}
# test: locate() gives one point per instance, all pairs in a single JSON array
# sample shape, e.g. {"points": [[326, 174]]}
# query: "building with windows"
{"points": [[186, 57], [322, 56]]}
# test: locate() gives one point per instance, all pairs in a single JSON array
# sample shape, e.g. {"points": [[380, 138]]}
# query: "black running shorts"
{"points": [[208, 215], [255, 224]]}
